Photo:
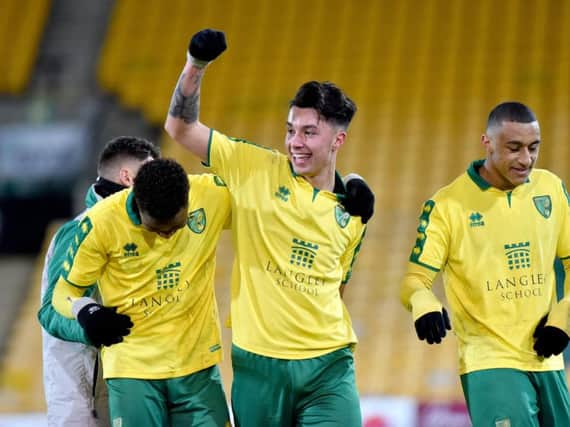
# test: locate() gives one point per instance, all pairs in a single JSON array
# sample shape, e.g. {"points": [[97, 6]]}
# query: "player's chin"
{"points": [[301, 169], [519, 178]]}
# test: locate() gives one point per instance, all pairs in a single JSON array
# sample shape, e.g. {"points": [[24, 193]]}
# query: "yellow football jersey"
{"points": [[294, 248], [165, 285], [496, 250]]}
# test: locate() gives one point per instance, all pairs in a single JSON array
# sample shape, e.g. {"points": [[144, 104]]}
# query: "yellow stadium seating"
{"points": [[21, 26], [21, 383]]}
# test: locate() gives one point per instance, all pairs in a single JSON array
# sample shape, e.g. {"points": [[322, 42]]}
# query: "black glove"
{"points": [[431, 326], [207, 45], [103, 325], [359, 199], [549, 340]]}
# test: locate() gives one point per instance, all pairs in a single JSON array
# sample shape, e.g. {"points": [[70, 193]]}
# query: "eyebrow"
{"points": [[518, 143], [304, 126]]}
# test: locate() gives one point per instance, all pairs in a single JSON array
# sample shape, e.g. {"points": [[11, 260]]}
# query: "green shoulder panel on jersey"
{"points": [[356, 251], [81, 232], [421, 238]]}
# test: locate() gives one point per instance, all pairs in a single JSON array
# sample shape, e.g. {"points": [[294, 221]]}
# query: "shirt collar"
{"points": [[339, 187], [473, 172], [132, 209]]}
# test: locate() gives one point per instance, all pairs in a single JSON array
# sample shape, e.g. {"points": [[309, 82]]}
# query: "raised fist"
{"points": [[206, 45]]}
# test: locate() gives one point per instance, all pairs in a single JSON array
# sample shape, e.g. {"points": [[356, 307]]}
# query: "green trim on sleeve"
{"points": [[82, 231], [422, 237], [245, 141], [207, 162], [54, 323], [565, 192], [219, 181], [92, 285], [429, 267], [348, 274]]}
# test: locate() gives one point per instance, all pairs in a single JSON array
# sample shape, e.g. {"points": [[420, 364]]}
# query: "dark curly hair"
{"points": [[161, 188], [327, 99], [121, 147]]}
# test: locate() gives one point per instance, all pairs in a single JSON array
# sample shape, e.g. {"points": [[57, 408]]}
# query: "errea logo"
{"points": [[130, 250], [283, 193], [476, 220]]}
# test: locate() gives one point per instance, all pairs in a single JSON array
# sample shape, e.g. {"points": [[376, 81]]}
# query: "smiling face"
{"points": [[312, 144], [512, 149]]}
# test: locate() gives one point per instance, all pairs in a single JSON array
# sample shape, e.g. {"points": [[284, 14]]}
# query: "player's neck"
{"points": [[324, 181], [494, 179]]}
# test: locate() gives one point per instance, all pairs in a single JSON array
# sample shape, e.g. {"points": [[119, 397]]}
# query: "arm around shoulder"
{"points": [[64, 295], [59, 326], [51, 321]]}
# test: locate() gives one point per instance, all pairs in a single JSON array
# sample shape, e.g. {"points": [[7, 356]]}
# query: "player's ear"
{"points": [[126, 178], [339, 140]]}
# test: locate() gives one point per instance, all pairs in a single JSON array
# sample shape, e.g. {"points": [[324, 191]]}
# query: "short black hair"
{"points": [[510, 112], [126, 147], [327, 99], [161, 188]]}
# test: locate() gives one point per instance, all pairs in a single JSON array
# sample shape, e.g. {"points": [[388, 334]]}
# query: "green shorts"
{"points": [[270, 392], [197, 399], [513, 398]]}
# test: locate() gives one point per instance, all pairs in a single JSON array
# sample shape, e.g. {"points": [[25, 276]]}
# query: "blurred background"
{"points": [[424, 74]]}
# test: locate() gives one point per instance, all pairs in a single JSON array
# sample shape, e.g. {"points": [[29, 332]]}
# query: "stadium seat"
{"points": [[22, 24]]}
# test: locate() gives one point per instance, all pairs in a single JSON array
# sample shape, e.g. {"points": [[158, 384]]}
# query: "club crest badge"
{"points": [[543, 205], [342, 217], [197, 220]]}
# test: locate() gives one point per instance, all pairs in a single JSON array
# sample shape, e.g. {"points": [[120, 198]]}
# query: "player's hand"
{"points": [[431, 326], [103, 325], [359, 199], [206, 45], [549, 340]]}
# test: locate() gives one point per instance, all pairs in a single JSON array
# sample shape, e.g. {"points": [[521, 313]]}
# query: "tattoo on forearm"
{"points": [[186, 107]]}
